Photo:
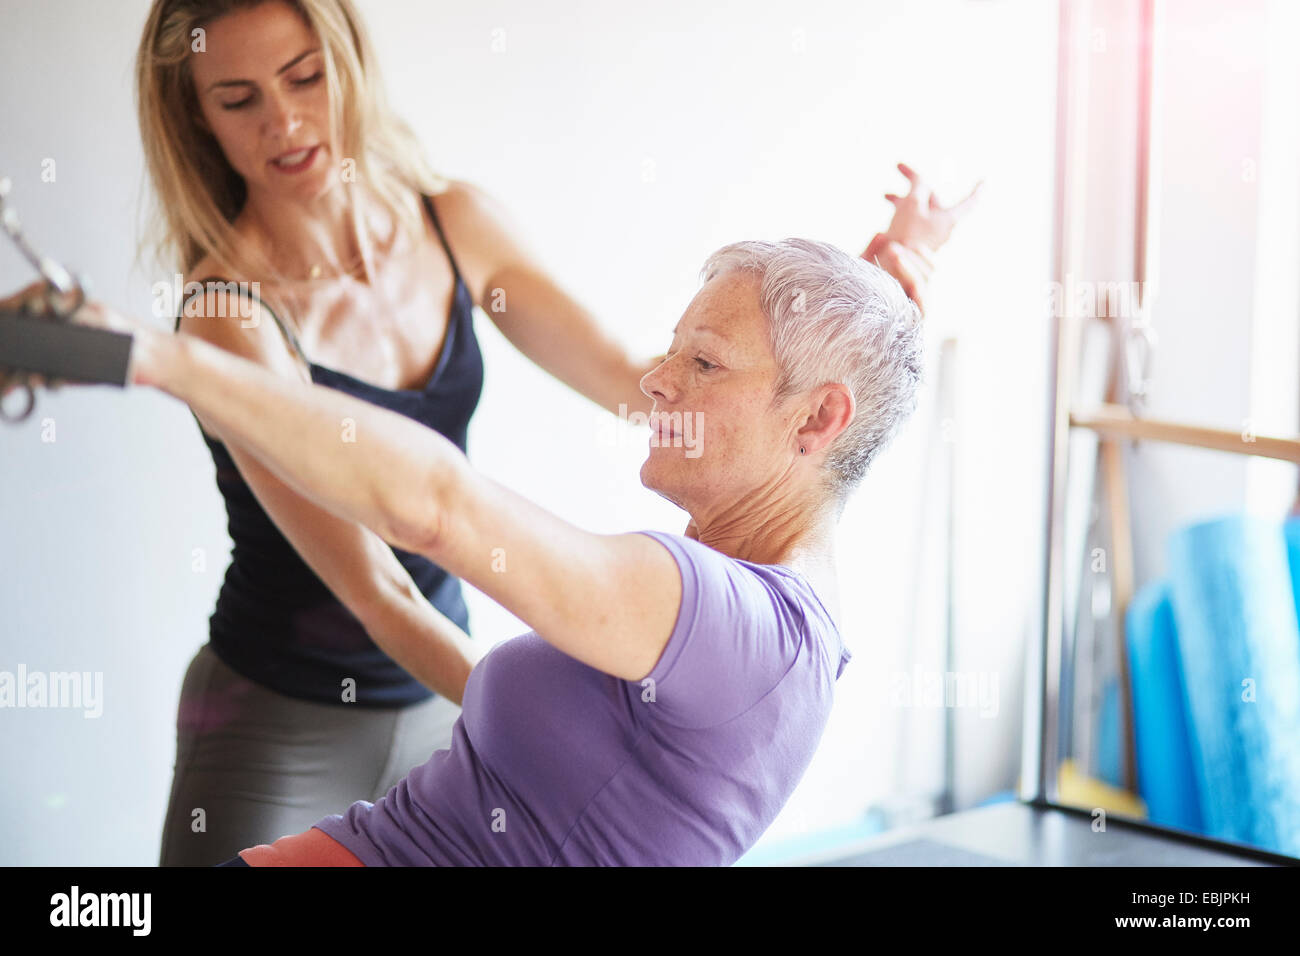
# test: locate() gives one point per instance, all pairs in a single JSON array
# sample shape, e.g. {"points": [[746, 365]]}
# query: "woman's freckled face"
{"points": [[719, 373], [261, 97]]}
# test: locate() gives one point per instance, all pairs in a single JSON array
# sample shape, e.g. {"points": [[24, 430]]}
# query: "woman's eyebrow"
{"points": [[288, 66]]}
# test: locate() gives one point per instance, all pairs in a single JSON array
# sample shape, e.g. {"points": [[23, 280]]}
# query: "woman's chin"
{"points": [[654, 480], [652, 473]]}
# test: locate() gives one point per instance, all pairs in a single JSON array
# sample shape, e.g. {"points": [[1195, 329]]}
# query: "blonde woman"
{"points": [[330, 253]]}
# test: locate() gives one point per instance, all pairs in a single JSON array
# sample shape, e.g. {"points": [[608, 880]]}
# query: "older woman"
{"points": [[673, 688]]}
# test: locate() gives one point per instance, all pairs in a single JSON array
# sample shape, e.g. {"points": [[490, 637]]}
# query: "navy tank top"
{"points": [[275, 621]]}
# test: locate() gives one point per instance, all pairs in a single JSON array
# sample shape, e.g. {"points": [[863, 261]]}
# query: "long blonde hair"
{"points": [[197, 192]]}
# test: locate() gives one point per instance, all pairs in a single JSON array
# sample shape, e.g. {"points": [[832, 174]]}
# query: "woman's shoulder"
{"points": [[467, 212], [478, 227], [209, 291], [207, 275], [458, 194], [710, 567], [800, 595], [225, 309], [209, 269], [744, 629], [210, 277]]}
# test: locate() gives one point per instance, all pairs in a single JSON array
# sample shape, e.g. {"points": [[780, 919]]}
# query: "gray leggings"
{"points": [[253, 765]]}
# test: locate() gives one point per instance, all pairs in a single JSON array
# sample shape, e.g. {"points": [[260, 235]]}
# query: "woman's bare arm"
{"points": [[540, 318], [920, 226], [352, 561], [610, 601], [561, 336]]}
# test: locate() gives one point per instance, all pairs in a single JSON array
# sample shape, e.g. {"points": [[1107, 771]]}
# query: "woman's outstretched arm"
{"points": [[610, 601], [560, 335], [359, 461]]}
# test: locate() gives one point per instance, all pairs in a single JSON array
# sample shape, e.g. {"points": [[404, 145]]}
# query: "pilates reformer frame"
{"points": [[1114, 420]]}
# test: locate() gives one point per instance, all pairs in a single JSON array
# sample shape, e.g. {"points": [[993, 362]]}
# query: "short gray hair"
{"points": [[836, 318]]}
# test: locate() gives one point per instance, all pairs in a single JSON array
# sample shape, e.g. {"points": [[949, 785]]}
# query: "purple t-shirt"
{"points": [[553, 762]]}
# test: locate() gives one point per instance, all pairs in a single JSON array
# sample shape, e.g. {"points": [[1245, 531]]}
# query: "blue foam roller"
{"points": [[1239, 645], [1167, 780], [1291, 530]]}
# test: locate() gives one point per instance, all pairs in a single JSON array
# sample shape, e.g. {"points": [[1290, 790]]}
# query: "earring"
{"points": [[801, 450]]}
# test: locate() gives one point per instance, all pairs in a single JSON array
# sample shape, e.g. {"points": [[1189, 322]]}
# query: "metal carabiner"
{"points": [[53, 273], [1139, 347], [28, 406], [60, 284]]}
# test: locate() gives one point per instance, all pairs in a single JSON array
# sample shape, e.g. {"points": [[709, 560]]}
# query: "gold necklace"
{"points": [[316, 271]]}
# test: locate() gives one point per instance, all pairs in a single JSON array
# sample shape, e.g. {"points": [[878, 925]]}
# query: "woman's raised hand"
{"points": [[920, 220], [921, 224]]}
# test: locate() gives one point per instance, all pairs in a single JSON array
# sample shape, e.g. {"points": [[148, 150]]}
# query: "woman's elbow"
{"points": [[413, 514], [413, 524]]}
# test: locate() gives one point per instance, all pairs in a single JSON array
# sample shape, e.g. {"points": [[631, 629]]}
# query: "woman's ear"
{"points": [[833, 414]]}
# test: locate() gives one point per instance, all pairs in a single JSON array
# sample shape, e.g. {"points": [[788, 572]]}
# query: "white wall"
{"points": [[628, 144]]}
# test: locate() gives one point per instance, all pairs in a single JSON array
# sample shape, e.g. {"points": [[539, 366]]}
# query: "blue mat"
{"points": [[1167, 780], [1234, 608], [1291, 531]]}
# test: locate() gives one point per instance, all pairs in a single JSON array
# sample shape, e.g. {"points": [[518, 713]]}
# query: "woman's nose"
{"points": [[284, 117], [655, 381]]}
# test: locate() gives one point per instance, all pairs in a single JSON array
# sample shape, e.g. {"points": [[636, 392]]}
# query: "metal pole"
{"points": [[1039, 751]]}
